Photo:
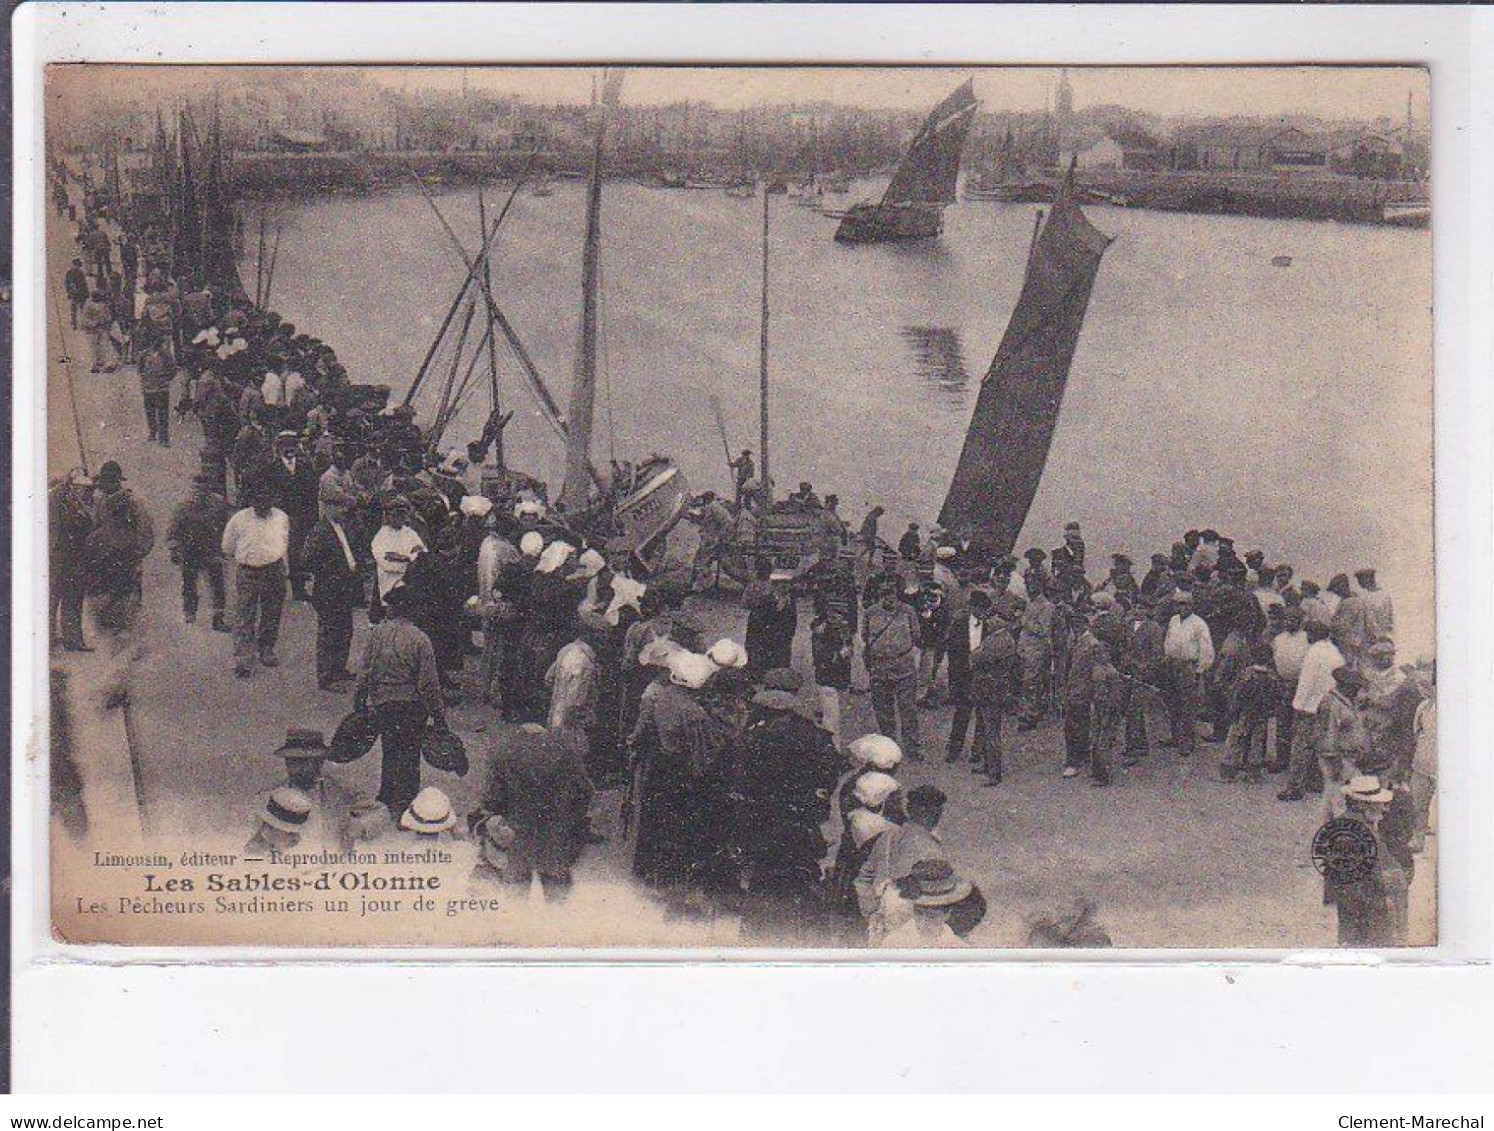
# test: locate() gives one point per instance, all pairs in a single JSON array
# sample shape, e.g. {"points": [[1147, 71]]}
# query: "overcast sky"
{"points": [[1327, 92]]}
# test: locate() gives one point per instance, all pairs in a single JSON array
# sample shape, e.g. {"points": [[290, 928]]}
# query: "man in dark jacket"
{"points": [[788, 769], [220, 428], [194, 537], [70, 520], [122, 536], [294, 480], [772, 621], [539, 787], [333, 567], [75, 282]]}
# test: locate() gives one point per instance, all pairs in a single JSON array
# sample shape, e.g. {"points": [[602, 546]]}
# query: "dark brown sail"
{"points": [[1017, 410], [930, 170]]}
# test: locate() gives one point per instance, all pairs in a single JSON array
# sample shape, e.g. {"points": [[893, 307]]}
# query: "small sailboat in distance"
{"points": [[912, 208], [1016, 412]]}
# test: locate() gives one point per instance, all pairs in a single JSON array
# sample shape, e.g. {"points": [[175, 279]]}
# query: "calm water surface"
{"points": [[1290, 407]]}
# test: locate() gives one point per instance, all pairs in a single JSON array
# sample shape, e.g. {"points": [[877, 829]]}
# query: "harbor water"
{"points": [[1288, 406]]}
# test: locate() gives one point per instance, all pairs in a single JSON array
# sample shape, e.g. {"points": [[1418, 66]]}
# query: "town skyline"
{"points": [[1327, 93]]}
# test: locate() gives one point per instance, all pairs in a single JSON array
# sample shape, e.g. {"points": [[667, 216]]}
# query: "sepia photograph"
{"points": [[851, 509]]}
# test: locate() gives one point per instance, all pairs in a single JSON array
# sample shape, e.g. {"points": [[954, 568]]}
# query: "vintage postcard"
{"points": [[868, 509]]}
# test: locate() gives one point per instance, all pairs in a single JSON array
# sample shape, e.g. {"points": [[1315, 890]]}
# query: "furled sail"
{"points": [[931, 167], [1017, 409]]}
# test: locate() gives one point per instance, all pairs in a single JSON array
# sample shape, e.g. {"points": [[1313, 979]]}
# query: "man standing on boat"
{"points": [[744, 471]]}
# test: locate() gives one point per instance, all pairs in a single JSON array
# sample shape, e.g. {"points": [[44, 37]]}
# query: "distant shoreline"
{"points": [[1296, 194]]}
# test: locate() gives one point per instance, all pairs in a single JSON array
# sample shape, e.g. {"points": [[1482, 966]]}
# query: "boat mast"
{"points": [[487, 290], [767, 482], [577, 487]]}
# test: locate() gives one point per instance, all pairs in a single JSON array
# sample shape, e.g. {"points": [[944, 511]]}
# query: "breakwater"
{"points": [[1270, 194]]}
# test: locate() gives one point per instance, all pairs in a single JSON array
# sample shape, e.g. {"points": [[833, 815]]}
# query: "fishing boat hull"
{"points": [[1408, 213], [886, 223], [648, 511]]}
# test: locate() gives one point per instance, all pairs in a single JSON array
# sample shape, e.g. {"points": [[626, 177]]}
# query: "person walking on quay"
{"points": [[1322, 659], [1079, 697], [397, 682], [336, 589], [122, 536], [1190, 653], [1039, 624], [1366, 902], [157, 371], [220, 428], [294, 480], [539, 788], [122, 303], [98, 317], [395, 545], [100, 252], [70, 521], [194, 537], [1350, 624], [1253, 702], [1288, 650], [257, 539], [772, 620], [993, 674], [75, 283], [889, 635]]}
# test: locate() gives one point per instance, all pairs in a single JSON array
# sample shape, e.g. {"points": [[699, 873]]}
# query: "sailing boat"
{"points": [[912, 208], [632, 514], [1016, 412]]}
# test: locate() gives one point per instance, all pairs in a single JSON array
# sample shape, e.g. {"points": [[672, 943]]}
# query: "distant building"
{"points": [[1251, 148], [1106, 153], [1370, 155]]}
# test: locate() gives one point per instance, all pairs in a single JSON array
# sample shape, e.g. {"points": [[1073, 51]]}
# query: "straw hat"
{"points": [[475, 506], [303, 743], [1367, 787], [877, 751], [933, 883], [286, 809], [430, 812]]}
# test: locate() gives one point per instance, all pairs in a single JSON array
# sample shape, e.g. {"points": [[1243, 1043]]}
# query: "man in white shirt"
{"points": [[257, 538], [1313, 685], [1189, 651], [1288, 649], [395, 545]]}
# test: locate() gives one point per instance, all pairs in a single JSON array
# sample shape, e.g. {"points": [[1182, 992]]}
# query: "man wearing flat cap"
{"points": [[336, 575], [294, 481]]}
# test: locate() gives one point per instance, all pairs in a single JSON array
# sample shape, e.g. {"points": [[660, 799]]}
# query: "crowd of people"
{"points": [[732, 763]]}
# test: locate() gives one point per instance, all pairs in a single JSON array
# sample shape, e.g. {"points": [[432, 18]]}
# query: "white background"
{"points": [[1290, 1023]]}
